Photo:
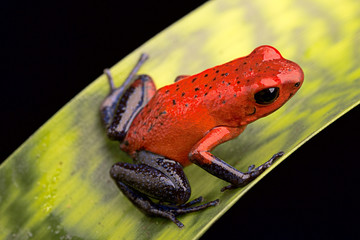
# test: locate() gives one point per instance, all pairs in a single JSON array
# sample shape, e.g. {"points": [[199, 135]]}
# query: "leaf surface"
{"points": [[56, 185]]}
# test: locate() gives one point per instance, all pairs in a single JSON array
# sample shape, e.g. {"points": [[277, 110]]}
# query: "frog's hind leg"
{"points": [[122, 105], [158, 177], [129, 105]]}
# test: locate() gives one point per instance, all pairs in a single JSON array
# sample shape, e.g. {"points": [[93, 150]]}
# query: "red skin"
{"points": [[198, 112]]}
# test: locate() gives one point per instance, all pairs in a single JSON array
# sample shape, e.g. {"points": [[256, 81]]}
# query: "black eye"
{"points": [[297, 84], [267, 96]]}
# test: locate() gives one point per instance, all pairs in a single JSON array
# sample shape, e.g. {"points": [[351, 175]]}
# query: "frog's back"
{"points": [[180, 114], [170, 124]]}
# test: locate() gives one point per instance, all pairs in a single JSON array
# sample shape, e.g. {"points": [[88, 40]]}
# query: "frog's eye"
{"points": [[267, 96]]}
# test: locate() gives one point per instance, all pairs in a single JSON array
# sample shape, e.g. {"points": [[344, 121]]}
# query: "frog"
{"points": [[164, 130]]}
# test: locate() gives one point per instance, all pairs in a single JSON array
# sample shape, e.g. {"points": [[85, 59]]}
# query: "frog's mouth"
{"points": [[290, 95]]}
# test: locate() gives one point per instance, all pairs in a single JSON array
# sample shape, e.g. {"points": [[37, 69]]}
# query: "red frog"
{"points": [[167, 129]]}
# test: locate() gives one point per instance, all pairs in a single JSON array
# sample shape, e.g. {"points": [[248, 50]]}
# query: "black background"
{"points": [[51, 51]]}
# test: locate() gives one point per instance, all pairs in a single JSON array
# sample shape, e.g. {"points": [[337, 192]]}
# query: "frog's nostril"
{"points": [[297, 84]]}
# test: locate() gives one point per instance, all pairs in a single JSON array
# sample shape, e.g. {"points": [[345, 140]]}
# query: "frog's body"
{"points": [[182, 122]]}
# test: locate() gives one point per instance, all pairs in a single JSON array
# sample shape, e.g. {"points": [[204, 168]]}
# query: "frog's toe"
{"points": [[171, 212], [251, 167], [187, 209], [231, 186], [270, 162], [178, 223], [169, 215], [195, 201]]}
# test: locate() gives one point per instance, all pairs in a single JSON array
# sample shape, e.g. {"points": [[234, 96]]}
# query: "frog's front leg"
{"points": [[158, 177], [201, 156]]}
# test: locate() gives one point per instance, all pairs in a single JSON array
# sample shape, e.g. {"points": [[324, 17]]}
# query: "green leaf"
{"points": [[56, 185]]}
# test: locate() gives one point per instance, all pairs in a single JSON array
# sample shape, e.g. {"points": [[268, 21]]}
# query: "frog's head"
{"points": [[273, 81]]}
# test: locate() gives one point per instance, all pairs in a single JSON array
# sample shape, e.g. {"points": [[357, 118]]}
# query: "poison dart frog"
{"points": [[167, 129]]}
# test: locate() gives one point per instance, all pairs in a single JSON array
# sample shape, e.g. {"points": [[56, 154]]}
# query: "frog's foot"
{"points": [[171, 212], [159, 210], [254, 173]]}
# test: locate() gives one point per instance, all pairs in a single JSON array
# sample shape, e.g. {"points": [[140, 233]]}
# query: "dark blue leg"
{"points": [[127, 100], [222, 170], [130, 104], [109, 105], [155, 176]]}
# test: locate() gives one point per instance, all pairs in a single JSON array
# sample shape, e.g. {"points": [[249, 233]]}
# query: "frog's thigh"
{"points": [[129, 105], [154, 176]]}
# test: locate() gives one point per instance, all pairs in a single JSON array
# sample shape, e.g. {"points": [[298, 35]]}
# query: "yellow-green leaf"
{"points": [[57, 186]]}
